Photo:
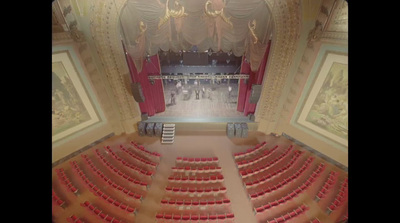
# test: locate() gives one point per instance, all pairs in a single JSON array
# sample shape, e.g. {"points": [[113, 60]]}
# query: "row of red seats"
{"points": [[110, 182], [196, 217], [273, 173], [57, 199], [207, 160], [315, 220], [332, 179], [97, 192], [251, 172], [195, 202], [145, 152], [140, 159], [250, 151], [127, 164], [341, 197], [191, 190], [120, 173], [198, 180], [100, 213], [65, 180], [74, 219], [302, 209], [194, 169], [266, 154], [284, 181], [312, 178]]}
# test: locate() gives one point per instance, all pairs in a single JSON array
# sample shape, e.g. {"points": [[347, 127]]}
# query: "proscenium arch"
{"points": [[105, 28]]}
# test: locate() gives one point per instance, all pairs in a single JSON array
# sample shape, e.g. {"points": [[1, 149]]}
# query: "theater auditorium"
{"points": [[206, 111]]}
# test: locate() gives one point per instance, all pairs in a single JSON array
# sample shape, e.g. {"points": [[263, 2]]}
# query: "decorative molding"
{"points": [[104, 25], [316, 35], [286, 17]]}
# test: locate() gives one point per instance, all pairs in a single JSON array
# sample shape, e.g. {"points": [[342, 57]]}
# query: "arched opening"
{"points": [[155, 31]]}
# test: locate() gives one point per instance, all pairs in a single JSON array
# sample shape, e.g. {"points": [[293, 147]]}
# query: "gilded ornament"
{"points": [[179, 12], [252, 29], [216, 13]]}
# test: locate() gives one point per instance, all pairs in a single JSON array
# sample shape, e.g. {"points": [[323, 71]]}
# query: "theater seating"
{"points": [[196, 193], [74, 219], [137, 169], [251, 151], [65, 180], [97, 192], [341, 197], [289, 172], [58, 200], [280, 181], [290, 215], [143, 151], [100, 213]]}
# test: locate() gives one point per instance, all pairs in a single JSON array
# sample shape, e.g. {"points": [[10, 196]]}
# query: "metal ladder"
{"points": [[168, 133]]}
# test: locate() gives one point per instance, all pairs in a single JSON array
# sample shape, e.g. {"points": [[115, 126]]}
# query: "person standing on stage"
{"points": [[173, 102]]}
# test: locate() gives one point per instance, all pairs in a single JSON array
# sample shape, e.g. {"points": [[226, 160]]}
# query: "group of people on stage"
{"points": [[205, 93]]}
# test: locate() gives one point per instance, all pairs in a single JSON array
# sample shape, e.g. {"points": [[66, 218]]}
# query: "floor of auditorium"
{"points": [[189, 144]]}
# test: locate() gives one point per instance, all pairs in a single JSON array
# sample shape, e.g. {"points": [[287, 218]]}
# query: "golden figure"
{"points": [[143, 29], [252, 29], [177, 13], [216, 13]]}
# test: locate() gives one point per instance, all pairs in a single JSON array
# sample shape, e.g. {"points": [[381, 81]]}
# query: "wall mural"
{"points": [[329, 109], [67, 107], [324, 111], [72, 108]]}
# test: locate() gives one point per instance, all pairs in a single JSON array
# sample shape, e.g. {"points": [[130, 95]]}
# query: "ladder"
{"points": [[168, 133]]}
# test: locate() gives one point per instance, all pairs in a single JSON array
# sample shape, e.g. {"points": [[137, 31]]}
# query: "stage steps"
{"points": [[168, 133]]}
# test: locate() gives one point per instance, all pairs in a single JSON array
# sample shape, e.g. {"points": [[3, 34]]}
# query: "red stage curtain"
{"points": [[255, 78], [153, 93]]}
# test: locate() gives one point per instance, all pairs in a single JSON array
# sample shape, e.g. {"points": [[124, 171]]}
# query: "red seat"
{"points": [[186, 217], [212, 217], [259, 209], [168, 216], [159, 216], [221, 216], [230, 215], [286, 217], [203, 217], [194, 217], [176, 217]]}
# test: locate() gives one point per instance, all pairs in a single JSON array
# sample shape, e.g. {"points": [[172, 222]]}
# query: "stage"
{"points": [[213, 102]]}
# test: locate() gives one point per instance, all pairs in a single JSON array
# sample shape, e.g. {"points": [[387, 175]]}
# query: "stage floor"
{"points": [[214, 105]]}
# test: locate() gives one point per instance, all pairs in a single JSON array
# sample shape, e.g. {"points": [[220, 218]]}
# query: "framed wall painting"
{"points": [[322, 110], [74, 106]]}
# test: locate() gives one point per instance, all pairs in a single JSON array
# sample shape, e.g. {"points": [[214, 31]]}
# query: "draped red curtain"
{"points": [[153, 93], [254, 78]]}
